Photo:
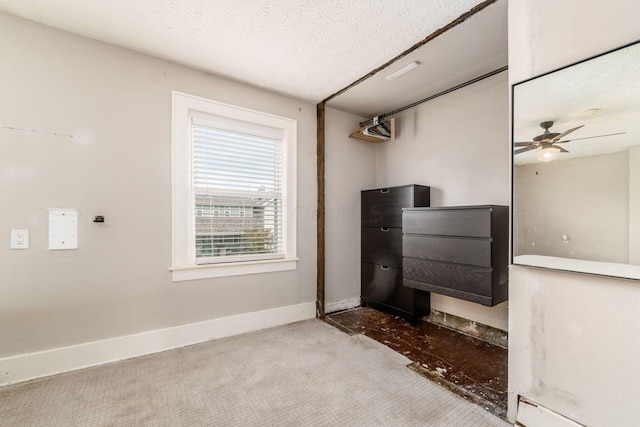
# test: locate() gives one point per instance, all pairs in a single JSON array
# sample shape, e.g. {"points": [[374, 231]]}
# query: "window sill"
{"points": [[196, 272]]}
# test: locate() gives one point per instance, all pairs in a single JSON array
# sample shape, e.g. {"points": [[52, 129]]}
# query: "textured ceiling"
{"points": [[308, 49], [473, 48]]}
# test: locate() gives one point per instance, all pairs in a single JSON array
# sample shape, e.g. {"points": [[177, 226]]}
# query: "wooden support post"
{"points": [[320, 232]]}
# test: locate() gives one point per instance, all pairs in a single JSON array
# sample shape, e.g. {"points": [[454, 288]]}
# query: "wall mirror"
{"points": [[576, 167]]}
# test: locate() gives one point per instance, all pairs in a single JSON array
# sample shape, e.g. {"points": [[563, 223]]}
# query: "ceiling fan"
{"points": [[547, 141]]}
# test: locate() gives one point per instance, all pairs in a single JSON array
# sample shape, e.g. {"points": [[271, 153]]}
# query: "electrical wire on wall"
{"points": [[35, 131]]}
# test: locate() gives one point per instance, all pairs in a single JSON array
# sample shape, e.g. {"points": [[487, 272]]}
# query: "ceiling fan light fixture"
{"points": [[548, 154]]}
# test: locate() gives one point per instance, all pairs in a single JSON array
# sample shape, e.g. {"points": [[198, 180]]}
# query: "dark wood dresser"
{"points": [[461, 252], [381, 274]]}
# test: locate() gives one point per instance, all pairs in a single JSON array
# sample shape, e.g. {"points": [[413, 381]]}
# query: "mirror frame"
{"points": [[557, 264]]}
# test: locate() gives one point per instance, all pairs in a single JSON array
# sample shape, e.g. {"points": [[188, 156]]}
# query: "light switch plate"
{"points": [[19, 239]]}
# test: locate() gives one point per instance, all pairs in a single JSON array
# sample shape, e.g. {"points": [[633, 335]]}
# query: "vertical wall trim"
{"points": [[321, 223]]}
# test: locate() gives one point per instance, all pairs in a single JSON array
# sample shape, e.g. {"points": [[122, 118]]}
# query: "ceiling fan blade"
{"points": [[524, 150], [562, 150], [565, 133], [522, 144], [589, 137]]}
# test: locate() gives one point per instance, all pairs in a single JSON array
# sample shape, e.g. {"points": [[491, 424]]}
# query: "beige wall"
{"points": [[634, 205], [117, 282], [584, 198], [573, 341], [349, 169], [455, 144]]}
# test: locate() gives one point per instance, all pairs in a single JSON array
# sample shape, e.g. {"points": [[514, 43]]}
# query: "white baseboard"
{"points": [[533, 415], [29, 366], [343, 304]]}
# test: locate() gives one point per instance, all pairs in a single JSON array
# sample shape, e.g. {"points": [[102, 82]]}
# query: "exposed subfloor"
{"points": [[470, 367]]}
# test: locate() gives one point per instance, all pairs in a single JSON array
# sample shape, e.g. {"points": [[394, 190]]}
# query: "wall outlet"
{"points": [[19, 239]]}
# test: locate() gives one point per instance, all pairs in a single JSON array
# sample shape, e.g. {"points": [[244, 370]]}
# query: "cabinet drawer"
{"points": [[383, 285], [383, 207], [382, 245], [448, 222], [469, 279], [448, 249]]}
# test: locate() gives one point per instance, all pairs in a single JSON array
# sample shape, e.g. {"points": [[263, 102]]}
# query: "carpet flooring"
{"points": [[304, 374]]}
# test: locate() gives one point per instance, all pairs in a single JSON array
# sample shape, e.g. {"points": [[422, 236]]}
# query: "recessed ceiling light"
{"points": [[403, 70]]}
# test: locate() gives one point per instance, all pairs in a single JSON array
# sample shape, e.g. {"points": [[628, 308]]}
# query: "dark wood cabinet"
{"points": [[457, 251], [381, 245], [382, 207]]}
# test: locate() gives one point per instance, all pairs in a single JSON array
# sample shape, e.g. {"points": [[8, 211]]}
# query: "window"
{"points": [[233, 190]]}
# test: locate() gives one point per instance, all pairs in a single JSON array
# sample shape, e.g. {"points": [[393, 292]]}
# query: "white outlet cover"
{"points": [[19, 239]]}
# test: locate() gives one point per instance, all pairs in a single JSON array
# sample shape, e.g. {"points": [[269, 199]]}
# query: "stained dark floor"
{"points": [[468, 366]]}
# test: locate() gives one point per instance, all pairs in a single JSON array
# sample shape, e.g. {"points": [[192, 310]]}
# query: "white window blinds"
{"points": [[238, 186]]}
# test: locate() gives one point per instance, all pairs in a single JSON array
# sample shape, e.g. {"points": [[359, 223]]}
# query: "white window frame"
{"points": [[184, 266]]}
